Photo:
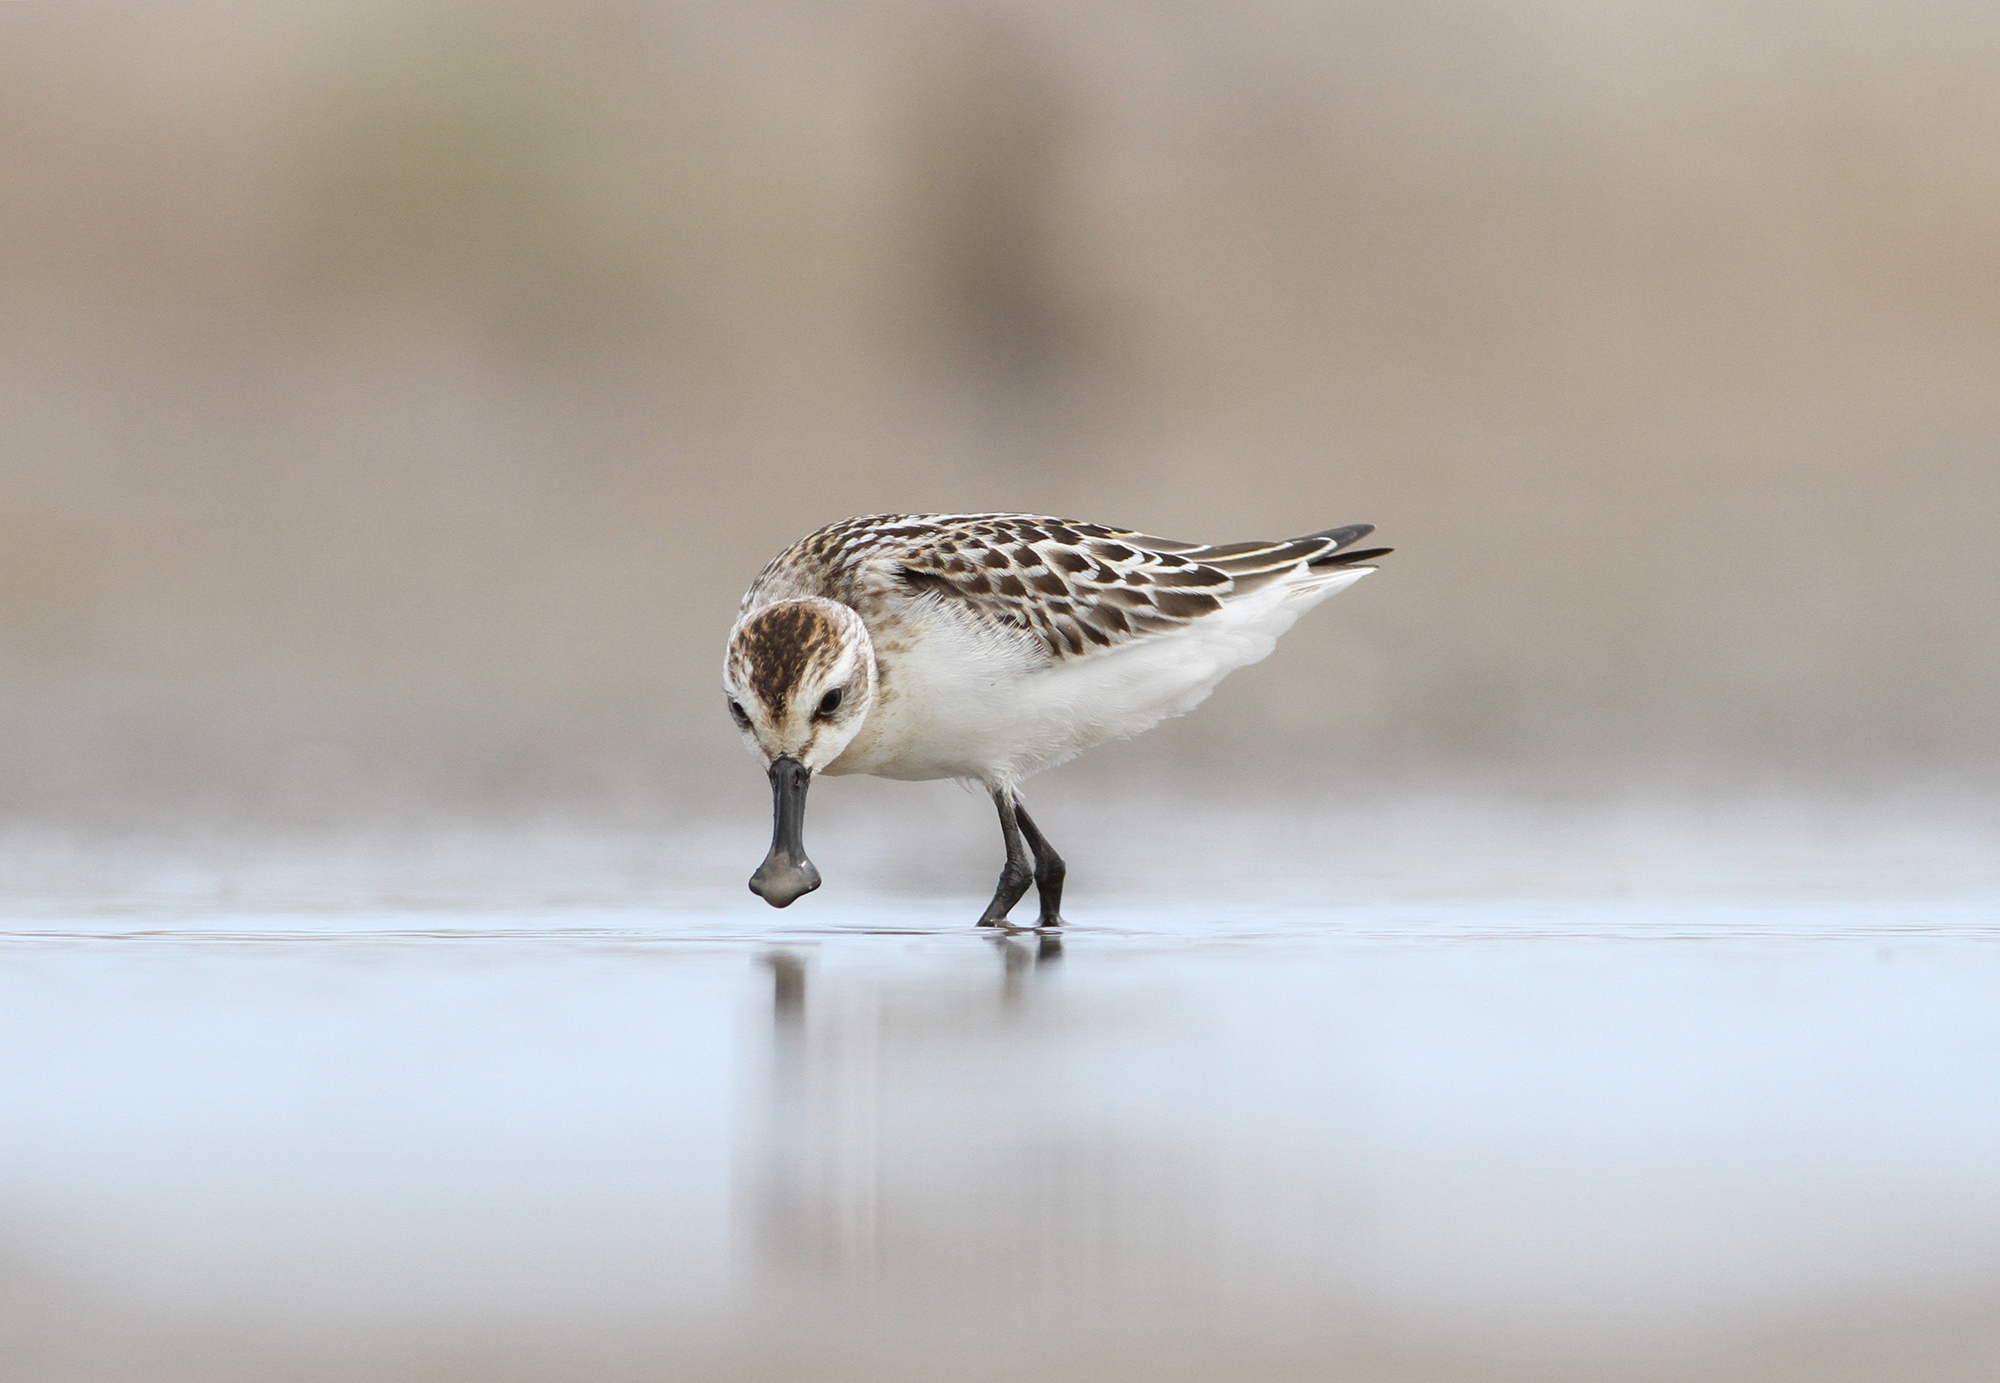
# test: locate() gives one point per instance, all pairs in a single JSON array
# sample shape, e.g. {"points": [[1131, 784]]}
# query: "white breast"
{"points": [[966, 701]]}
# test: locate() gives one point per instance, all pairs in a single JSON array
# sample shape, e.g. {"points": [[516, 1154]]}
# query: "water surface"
{"points": [[1665, 1122]]}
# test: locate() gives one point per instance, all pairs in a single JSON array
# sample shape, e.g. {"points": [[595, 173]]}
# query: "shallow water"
{"points": [[1652, 1125]]}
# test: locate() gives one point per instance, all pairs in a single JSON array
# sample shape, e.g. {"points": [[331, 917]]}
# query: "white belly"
{"points": [[956, 705]]}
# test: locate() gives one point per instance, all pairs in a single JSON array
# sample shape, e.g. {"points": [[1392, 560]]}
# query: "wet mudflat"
{"points": [[1502, 1128]]}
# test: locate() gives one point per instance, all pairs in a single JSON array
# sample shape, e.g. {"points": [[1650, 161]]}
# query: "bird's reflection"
{"points": [[927, 1130], [783, 1214], [882, 1102], [1019, 962], [788, 990]]}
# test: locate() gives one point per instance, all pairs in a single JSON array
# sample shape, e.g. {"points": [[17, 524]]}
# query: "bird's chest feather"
{"points": [[948, 703]]}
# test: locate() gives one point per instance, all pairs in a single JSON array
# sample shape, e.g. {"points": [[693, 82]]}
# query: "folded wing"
{"points": [[1080, 588]]}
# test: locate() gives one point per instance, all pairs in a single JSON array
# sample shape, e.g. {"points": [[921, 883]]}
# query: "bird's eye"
{"points": [[738, 714], [829, 703]]}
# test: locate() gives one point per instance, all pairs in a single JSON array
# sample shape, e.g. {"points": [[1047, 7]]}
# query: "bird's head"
{"points": [[800, 678]]}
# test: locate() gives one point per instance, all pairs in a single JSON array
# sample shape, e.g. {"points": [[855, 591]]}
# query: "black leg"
{"points": [[1049, 868], [1017, 873]]}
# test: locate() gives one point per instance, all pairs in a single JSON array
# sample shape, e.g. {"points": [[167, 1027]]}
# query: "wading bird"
{"points": [[989, 647]]}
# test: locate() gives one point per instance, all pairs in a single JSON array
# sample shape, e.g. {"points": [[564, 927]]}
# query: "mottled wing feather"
{"points": [[1072, 588]]}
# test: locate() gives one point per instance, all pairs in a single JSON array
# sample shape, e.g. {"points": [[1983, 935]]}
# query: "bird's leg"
{"points": [[1049, 868], [1017, 873]]}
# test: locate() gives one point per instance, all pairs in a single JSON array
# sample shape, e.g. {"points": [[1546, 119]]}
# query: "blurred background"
{"points": [[398, 399]]}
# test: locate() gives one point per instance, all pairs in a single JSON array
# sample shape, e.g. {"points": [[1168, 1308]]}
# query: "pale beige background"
{"points": [[396, 399]]}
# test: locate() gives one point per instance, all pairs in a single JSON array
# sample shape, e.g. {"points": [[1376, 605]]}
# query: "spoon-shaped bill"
{"points": [[786, 875]]}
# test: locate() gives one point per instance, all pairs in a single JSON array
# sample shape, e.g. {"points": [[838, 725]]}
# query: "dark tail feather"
{"points": [[1334, 557], [1349, 559], [1353, 532], [1251, 565]]}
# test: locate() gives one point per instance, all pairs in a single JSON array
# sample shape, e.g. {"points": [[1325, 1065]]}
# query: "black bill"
{"points": [[786, 875]]}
